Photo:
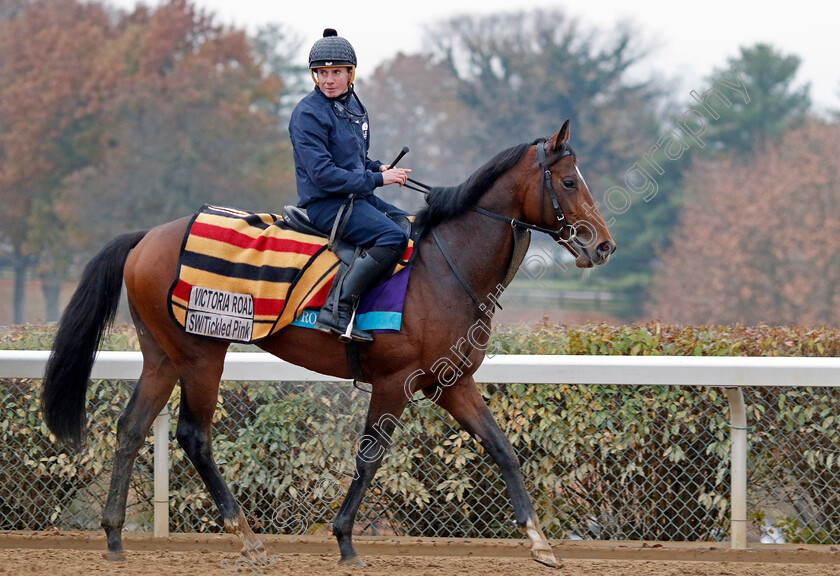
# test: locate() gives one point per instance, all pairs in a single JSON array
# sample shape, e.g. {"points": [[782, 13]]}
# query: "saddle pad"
{"points": [[380, 309], [243, 276]]}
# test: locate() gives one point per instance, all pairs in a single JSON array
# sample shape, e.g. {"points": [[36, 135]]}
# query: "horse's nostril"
{"points": [[605, 248]]}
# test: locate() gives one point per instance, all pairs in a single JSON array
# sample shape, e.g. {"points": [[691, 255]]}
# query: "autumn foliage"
{"points": [[188, 125], [47, 100], [114, 121], [757, 240]]}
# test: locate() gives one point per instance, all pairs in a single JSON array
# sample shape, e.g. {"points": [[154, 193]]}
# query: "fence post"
{"points": [[738, 468], [161, 473]]}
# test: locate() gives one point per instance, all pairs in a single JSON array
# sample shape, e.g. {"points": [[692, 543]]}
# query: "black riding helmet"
{"points": [[332, 50]]}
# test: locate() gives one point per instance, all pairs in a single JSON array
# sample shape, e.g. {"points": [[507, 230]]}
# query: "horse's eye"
{"points": [[568, 184]]}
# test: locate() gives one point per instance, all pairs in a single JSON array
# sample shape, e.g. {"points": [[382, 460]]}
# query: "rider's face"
{"points": [[334, 80]]}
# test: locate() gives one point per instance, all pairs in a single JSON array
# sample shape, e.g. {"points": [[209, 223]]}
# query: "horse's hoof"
{"points": [[354, 561], [255, 553], [114, 556], [545, 557]]}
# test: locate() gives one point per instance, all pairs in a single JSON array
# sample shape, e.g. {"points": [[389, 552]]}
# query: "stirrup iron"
{"points": [[348, 333]]}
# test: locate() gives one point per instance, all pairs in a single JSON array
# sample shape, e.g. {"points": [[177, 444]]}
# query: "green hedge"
{"points": [[627, 339], [669, 340], [622, 463]]}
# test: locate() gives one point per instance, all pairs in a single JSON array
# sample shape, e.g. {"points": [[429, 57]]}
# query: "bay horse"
{"points": [[464, 257]]}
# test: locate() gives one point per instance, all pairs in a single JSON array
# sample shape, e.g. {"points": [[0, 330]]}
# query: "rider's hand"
{"points": [[394, 175]]}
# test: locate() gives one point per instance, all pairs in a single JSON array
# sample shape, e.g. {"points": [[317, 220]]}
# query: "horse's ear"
{"points": [[561, 137]]}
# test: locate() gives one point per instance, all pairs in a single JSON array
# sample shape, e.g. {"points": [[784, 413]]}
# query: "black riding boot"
{"points": [[364, 273]]}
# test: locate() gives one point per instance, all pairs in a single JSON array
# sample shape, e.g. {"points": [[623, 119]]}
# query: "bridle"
{"points": [[546, 189]]}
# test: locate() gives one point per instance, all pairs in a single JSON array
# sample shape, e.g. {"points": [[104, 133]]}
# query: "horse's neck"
{"points": [[481, 248]]}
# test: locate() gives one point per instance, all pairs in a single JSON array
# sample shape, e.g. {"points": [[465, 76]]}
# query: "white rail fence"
{"points": [[729, 373]]}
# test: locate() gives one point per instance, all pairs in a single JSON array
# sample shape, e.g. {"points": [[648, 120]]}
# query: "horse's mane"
{"points": [[447, 202]]}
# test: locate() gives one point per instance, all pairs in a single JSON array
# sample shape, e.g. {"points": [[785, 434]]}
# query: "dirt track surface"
{"points": [[203, 555]]}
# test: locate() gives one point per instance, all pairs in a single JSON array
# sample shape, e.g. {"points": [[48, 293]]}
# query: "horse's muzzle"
{"points": [[589, 256]]}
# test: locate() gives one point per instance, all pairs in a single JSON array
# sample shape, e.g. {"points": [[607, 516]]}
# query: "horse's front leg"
{"points": [[383, 415], [464, 402]]}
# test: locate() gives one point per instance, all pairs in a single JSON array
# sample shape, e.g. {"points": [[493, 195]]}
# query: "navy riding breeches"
{"points": [[368, 224]]}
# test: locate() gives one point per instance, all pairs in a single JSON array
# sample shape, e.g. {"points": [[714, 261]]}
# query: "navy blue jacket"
{"points": [[330, 139]]}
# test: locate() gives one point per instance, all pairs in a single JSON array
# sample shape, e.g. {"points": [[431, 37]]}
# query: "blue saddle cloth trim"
{"points": [[380, 310], [379, 321]]}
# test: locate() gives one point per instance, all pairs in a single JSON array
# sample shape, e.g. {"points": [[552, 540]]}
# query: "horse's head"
{"points": [[558, 198]]}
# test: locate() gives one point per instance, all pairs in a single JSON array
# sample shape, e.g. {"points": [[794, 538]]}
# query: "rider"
{"points": [[330, 135]]}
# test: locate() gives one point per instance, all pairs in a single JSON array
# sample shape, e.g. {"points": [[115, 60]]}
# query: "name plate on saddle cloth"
{"points": [[220, 314]]}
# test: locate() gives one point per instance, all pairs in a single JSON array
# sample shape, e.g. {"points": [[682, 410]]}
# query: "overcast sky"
{"points": [[690, 38]]}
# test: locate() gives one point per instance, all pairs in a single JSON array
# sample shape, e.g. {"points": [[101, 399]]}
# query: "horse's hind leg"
{"points": [[150, 395], [199, 390], [464, 402]]}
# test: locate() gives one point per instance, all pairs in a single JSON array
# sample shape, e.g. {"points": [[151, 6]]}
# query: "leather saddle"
{"points": [[297, 219]]}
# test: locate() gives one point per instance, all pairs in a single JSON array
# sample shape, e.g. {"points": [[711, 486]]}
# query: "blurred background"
{"points": [[708, 133]]}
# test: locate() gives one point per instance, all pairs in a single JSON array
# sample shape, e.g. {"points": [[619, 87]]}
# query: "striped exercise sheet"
{"points": [[243, 276]]}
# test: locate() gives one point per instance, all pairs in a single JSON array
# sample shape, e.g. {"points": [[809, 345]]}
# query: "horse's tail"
{"points": [[90, 311]]}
